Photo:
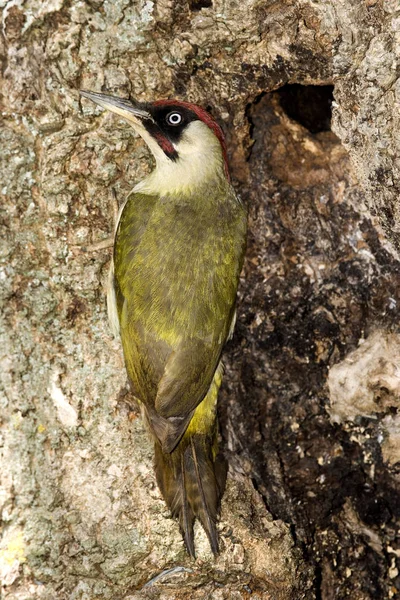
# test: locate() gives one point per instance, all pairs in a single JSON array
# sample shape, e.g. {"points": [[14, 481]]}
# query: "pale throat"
{"points": [[200, 162]]}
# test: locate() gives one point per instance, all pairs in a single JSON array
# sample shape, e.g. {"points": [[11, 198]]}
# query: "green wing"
{"points": [[177, 264]]}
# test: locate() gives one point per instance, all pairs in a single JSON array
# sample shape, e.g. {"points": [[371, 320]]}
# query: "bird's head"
{"points": [[183, 137]]}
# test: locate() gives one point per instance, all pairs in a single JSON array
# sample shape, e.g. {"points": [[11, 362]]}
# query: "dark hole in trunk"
{"points": [[309, 105], [199, 4]]}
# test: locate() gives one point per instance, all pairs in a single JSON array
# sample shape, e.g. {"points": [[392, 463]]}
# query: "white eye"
{"points": [[174, 118]]}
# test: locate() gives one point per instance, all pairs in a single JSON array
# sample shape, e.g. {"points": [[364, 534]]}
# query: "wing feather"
{"points": [[175, 280]]}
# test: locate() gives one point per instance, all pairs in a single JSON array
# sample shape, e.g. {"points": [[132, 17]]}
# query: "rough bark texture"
{"points": [[309, 405]]}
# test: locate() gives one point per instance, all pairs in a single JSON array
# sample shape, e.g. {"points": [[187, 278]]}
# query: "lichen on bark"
{"points": [[311, 507]]}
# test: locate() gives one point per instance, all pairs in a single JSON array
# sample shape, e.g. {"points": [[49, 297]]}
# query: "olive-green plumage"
{"points": [[178, 252], [177, 261]]}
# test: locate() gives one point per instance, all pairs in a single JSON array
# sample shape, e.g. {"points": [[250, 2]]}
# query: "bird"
{"points": [[178, 251]]}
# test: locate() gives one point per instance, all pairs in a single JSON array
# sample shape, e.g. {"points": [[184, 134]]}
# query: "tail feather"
{"points": [[205, 497], [184, 512], [192, 484]]}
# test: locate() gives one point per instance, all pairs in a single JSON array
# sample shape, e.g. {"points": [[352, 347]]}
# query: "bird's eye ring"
{"points": [[174, 118]]}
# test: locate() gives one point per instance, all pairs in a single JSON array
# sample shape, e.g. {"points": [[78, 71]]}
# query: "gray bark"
{"points": [[309, 405]]}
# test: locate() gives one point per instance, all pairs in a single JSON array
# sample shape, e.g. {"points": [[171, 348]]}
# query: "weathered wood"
{"points": [[312, 504]]}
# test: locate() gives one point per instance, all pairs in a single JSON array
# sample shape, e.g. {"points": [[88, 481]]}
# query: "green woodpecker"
{"points": [[178, 252]]}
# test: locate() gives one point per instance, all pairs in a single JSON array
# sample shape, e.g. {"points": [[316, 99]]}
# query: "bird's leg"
{"points": [[115, 204], [107, 242], [101, 245]]}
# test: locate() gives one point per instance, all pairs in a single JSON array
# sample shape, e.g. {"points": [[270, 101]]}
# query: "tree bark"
{"points": [[310, 400]]}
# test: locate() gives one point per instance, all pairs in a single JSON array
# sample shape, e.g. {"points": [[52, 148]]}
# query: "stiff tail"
{"points": [[192, 482]]}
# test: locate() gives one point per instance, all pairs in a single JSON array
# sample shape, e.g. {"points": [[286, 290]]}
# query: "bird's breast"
{"points": [[183, 271]]}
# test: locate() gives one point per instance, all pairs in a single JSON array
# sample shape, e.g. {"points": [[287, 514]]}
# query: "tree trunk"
{"points": [[311, 394]]}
